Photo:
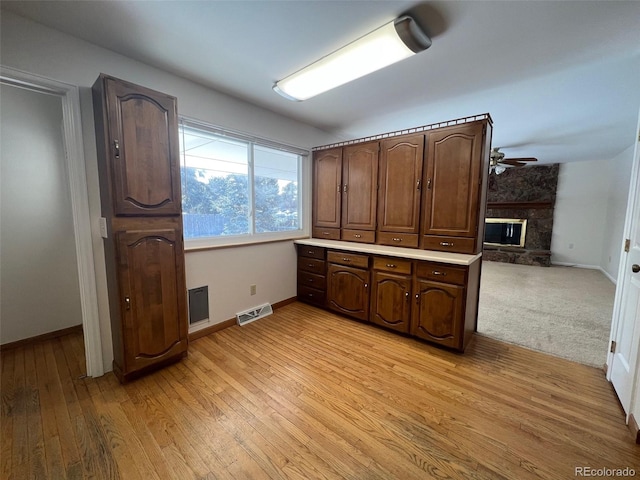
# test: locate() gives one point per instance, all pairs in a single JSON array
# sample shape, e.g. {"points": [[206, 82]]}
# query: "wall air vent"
{"points": [[249, 316]]}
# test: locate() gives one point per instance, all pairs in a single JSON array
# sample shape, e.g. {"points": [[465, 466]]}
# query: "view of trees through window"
{"points": [[235, 187]]}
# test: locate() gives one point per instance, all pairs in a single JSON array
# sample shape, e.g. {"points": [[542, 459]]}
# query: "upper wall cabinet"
{"points": [[359, 192], [327, 193], [399, 192], [142, 150], [453, 178], [425, 189]]}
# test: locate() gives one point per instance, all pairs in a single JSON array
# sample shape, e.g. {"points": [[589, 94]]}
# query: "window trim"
{"points": [[304, 184]]}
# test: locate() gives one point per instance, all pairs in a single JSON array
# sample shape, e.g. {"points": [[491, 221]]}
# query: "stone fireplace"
{"points": [[521, 200]]}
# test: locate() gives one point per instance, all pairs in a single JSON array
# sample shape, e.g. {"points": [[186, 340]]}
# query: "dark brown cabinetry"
{"points": [[401, 161], [348, 284], [391, 293], [138, 162], [452, 200], [327, 193], [312, 284], [438, 312], [359, 192]]}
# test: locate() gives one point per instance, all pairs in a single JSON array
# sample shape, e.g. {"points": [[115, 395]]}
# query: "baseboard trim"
{"points": [[588, 267], [231, 322], [635, 429], [40, 338]]}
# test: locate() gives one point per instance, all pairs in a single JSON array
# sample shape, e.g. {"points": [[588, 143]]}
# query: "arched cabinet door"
{"points": [[348, 290], [143, 151], [438, 312], [152, 298], [391, 301]]}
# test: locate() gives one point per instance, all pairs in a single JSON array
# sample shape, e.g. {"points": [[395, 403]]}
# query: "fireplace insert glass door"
{"points": [[505, 231]]}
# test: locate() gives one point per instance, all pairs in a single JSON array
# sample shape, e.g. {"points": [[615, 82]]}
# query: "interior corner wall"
{"points": [[34, 48], [580, 213], [620, 168]]}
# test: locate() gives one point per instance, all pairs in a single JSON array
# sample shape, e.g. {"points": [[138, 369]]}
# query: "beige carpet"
{"points": [[564, 311]]}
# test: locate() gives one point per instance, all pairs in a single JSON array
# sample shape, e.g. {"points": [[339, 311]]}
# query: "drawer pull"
{"points": [[436, 272], [446, 244], [311, 265], [357, 235], [391, 265], [344, 259], [396, 239], [310, 252], [310, 280], [310, 294], [326, 233]]}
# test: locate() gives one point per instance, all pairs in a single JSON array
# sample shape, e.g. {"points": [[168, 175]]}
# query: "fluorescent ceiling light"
{"points": [[395, 41]]}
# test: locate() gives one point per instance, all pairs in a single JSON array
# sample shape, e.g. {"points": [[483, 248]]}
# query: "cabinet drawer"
{"points": [[312, 265], [363, 236], [448, 244], [312, 280], [398, 239], [326, 233], [390, 264], [441, 272], [311, 295], [311, 252], [349, 259]]}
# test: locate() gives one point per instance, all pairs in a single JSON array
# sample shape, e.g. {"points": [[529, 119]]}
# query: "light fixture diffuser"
{"points": [[392, 42]]}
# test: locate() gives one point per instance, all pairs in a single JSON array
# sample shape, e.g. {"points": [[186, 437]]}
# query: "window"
{"points": [[237, 188]]}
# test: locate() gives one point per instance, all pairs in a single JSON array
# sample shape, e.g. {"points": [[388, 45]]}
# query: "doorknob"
{"points": [[635, 268]]}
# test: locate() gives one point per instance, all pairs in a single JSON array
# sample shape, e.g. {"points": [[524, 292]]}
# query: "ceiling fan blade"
{"points": [[513, 163], [522, 159]]}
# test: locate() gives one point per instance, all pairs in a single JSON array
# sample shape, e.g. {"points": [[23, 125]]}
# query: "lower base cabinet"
{"points": [[432, 301]]}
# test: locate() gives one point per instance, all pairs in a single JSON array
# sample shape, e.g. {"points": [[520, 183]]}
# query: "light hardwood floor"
{"points": [[305, 394]]}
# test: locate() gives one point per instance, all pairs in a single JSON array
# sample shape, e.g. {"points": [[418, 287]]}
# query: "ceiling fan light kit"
{"points": [[399, 39], [497, 161]]}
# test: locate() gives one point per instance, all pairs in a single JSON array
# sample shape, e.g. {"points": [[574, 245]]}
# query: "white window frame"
{"points": [[253, 237]]}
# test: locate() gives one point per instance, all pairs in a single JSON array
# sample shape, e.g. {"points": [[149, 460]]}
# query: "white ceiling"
{"points": [[561, 79]]}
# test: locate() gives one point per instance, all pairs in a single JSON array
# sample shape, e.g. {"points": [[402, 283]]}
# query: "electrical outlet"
{"points": [[253, 289]]}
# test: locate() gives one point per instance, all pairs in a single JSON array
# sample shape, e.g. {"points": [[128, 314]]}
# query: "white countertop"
{"points": [[413, 253]]}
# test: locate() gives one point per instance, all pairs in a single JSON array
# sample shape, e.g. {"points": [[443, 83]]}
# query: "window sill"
{"points": [[231, 242]]}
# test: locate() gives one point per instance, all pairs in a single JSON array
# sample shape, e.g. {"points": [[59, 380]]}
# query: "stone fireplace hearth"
{"points": [[527, 193]]}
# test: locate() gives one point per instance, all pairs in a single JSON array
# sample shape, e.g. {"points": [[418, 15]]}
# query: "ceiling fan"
{"points": [[497, 161]]}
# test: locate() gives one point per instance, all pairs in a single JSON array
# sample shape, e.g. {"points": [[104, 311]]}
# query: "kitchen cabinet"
{"points": [[312, 283], [453, 205], [399, 194], [327, 193], [139, 173], [431, 300], [348, 281], [391, 293], [359, 192]]}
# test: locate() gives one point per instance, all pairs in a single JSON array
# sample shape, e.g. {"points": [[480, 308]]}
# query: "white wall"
{"points": [[39, 281], [33, 48], [589, 213], [620, 173], [579, 215]]}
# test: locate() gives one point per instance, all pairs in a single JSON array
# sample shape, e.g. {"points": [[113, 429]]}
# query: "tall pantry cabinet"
{"points": [[139, 170]]}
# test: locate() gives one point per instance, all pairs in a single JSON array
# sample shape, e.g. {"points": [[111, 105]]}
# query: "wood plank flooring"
{"points": [[304, 394]]}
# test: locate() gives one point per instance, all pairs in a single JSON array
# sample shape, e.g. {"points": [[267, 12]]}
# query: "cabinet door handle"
{"points": [[339, 188], [417, 299], [406, 295], [418, 185], [391, 265], [446, 244], [429, 184], [116, 147], [344, 189], [366, 285], [127, 302], [436, 272], [396, 239]]}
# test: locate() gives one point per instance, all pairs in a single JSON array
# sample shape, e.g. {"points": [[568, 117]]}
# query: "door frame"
{"points": [[76, 175], [623, 278]]}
